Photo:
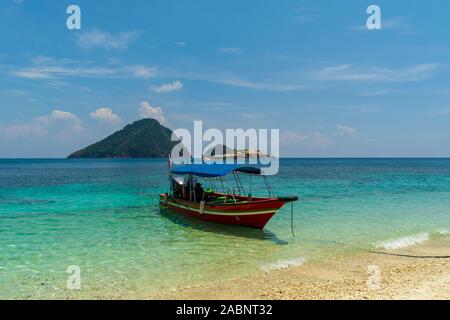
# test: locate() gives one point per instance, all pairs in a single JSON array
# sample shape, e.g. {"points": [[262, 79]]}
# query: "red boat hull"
{"points": [[255, 213]]}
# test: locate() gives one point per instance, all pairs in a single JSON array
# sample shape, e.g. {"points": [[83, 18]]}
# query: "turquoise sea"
{"points": [[103, 216]]}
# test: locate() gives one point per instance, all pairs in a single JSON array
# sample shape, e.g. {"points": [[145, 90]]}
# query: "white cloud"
{"points": [[377, 93], [295, 80], [45, 60], [96, 38], [60, 116], [256, 85], [275, 84], [32, 74], [347, 72], [147, 111], [140, 71], [399, 24], [41, 126], [314, 139], [345, 130], [22, 130], [14, 93], [168, 87], [106, 115], [45, 68], [55, 72], [180, 44], [230, 50], [277, 56]]}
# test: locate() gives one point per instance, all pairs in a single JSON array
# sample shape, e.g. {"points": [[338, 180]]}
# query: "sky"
{"points": [[309, 68]]}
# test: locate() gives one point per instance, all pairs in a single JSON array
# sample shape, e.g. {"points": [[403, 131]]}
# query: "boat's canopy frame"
{"points": [[216, 174], [215, 170]]}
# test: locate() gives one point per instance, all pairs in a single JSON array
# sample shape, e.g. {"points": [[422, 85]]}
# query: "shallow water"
{"points": [[103, 216]]}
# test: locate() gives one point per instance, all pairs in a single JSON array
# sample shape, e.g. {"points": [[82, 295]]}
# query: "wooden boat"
{"points": [[226, 206]]}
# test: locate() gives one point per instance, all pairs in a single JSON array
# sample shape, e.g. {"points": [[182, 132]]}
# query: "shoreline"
{"points": [[355, 276]]}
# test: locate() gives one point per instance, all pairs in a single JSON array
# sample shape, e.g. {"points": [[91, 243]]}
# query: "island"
{"points": [[145, 138]]}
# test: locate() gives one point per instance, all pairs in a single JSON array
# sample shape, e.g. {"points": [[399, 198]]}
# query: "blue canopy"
{"points": [[214, 170]]}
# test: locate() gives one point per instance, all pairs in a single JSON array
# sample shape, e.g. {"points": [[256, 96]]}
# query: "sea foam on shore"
{"points": [[443, 232], [403, 242], [282, 264]]}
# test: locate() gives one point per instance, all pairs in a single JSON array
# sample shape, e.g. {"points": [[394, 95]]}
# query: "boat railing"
{"points": [[233, 194], [238, 182], [269, 187], [233, 187]]}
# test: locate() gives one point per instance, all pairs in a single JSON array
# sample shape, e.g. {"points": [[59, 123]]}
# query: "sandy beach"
{"points": [[359, 276]]}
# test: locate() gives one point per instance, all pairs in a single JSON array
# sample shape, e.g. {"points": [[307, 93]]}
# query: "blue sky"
{"points": [[309, 68]]}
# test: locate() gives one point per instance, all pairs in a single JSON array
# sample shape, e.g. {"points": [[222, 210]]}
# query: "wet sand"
{"points": [[357, 276]]}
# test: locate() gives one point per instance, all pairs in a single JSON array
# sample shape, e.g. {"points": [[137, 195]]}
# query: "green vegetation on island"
{"points": [[145, 138]]}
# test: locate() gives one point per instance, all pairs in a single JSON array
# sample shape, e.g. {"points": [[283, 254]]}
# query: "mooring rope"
{"points": [[390, 253], [368, 250], [292, 219], [408, 255]]}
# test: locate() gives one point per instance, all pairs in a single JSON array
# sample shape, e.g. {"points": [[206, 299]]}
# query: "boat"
{"points": [[221, 203]]}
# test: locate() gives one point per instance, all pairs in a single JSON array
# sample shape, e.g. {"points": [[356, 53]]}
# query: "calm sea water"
{"points": [[103, 216]]}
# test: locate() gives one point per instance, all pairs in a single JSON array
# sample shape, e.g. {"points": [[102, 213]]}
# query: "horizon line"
{"points": [[293, 157]]}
